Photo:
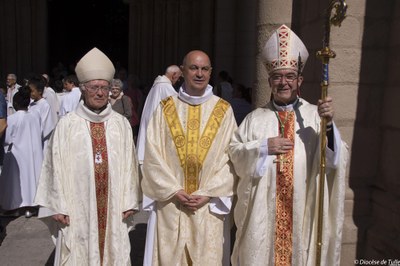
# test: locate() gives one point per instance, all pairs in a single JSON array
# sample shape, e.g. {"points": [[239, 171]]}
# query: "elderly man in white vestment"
{"points": [[89, 178], [161, 89], [276, 154], [186, 170], [51, 97], [12, 88]]}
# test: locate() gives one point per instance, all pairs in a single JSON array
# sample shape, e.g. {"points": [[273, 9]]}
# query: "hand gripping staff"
{"points": [[325, 54]]}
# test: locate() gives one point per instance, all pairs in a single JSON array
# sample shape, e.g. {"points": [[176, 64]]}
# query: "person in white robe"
{"points": [[47, 119], [89, 180], [276, 154], [186, 171], [51, 97], [3, 126], [12, 89], [161, 89], [23, 156], [70, 100]]}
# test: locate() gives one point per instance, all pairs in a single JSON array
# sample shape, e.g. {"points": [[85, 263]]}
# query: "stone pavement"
{"points": [[27, 241]]}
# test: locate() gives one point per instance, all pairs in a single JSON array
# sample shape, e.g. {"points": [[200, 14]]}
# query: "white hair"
{"points": [[172, 69]]}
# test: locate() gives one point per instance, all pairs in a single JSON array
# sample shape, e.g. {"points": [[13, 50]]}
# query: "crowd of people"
{"points": [[90, 153]]}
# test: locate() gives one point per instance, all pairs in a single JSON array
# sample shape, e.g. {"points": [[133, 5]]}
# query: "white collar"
{"points": [[87, 114], [288, 107], [195, 100]]}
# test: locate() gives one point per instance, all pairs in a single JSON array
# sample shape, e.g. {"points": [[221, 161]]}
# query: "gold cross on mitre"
{"points": [[281, 161]]}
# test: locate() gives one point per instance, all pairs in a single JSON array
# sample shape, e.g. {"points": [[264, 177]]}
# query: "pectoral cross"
{"points": [[281, 161], [98, 159]]}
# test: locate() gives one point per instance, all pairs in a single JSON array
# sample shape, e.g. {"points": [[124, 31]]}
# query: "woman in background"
{"points": [[120, 103]]}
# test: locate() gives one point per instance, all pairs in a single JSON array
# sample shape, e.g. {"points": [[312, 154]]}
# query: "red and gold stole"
{"points": [[191, 147], [100, 158], [284, 195]]}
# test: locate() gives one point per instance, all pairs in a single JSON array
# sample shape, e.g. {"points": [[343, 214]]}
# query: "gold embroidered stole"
{"points": [[284, 198], [191, 148], [100, 158]]}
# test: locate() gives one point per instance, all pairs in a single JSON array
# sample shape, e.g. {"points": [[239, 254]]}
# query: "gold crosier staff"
{"points": [[325, 54]]}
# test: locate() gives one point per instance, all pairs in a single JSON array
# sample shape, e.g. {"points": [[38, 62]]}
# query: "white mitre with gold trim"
{"points": [[94, 65], [284, 50]]}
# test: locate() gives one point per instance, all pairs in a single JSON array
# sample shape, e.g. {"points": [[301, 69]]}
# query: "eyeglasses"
{"points": [[276, 78], [94, 89]]}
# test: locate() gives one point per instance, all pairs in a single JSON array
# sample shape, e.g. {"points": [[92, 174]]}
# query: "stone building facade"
{"points": [[363, 80]]}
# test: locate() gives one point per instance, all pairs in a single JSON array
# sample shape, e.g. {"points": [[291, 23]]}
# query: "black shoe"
{"points": [[11, 213]]}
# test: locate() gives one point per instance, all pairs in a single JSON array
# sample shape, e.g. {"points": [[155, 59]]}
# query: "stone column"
{"points": [[271, 14]]}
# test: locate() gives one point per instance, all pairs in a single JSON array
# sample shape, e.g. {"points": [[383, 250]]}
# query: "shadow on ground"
{"points": [[50, 261], [138, 238], [4, 221]]}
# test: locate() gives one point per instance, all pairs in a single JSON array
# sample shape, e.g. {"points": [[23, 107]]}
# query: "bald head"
{"points": [[172, 69], [173, 73], [196, 69], [195, 53]]}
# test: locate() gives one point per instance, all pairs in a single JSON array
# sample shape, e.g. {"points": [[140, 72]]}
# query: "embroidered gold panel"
{"points": [[192, 148]]}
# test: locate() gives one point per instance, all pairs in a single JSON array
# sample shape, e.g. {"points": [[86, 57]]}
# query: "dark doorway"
{"points": [[77, 26]]}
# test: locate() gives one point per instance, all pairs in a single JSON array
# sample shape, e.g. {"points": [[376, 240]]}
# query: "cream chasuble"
{"points": [[188, 150], [276, 209], [91, 175]]}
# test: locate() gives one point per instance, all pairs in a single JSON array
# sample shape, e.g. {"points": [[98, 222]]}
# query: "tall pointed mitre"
{"points": [[284, 50], [94, 65]]}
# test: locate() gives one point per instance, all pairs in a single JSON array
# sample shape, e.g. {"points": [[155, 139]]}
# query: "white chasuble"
{"points": [[180, 235], [68, 185], [51, 97], [277, 216], [70, 101], [47, 120], [22, 160], [161, 89]]}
